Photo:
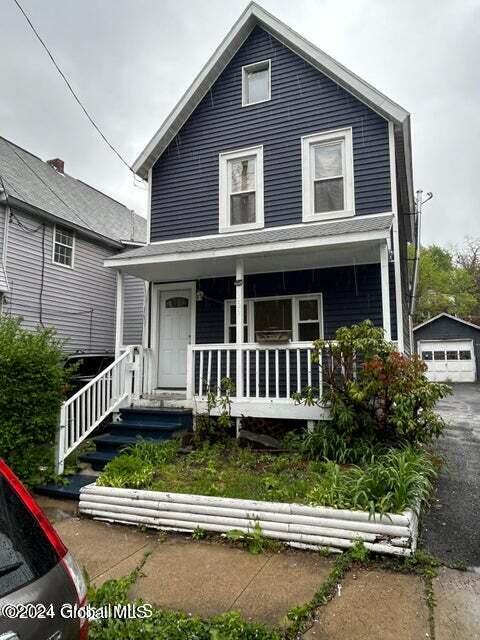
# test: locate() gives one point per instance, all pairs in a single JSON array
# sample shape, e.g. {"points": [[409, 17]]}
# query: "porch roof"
{"points": [[297, 246]]}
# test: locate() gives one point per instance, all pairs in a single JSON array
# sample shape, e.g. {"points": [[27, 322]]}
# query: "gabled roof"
{"points": [[32, 184], [252, 16], [446, 315]]}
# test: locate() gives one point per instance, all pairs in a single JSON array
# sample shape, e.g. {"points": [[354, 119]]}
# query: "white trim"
{"points": [[396, 240], [267, 247], [237, 35], [149, 206], [119, 313], [385, 278], [157, 288], [224, 158], [248, 68], [313, 225], [55, 242], [249, 302], [326, 137], [447, 315]]}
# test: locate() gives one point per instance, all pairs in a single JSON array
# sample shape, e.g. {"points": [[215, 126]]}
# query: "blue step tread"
{"points": [[69, 491], [150, 426], [178, 411], [99, 456], [112, 439]]}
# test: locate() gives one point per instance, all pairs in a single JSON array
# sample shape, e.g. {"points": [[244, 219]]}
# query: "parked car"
{"points": [[38, 575], [87, 367]]}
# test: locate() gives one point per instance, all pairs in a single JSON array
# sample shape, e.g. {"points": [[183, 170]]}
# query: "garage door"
{"points": [[449, 360]]}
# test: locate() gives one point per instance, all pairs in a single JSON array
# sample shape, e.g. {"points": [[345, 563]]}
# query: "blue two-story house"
{"points": [[280, 209]]}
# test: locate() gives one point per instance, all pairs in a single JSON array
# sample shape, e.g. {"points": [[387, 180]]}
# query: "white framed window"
{"points": [[299, 315], [63, 246], [327, 175], [241, 190], [256, 83]]}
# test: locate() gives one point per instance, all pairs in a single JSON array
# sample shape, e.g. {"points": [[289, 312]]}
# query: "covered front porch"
{"points": [[248, 307]]}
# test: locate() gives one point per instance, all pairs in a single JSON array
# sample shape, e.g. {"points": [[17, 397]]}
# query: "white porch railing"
{"points": [[127, 378], [269, 372]]}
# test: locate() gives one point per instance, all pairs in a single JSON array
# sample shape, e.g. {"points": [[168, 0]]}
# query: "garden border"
{"points": [[394, 534]]}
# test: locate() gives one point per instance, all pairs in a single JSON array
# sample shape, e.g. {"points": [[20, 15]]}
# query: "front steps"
{"points": [[153, 423]]}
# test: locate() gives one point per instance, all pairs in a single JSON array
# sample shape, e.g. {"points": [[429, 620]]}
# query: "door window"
{"points": [[176, 302]]}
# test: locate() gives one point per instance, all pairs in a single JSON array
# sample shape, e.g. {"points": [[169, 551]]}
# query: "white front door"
{"points": [[175, 310], [449, 360]]}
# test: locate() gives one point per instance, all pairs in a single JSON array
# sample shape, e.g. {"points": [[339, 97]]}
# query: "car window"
{"points": [[25, 553]]}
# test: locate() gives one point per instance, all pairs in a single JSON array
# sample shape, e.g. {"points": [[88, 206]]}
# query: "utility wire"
{"points": [[65, 79]]}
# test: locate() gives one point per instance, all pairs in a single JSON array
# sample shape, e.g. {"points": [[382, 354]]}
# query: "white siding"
{"points": [[133, 310], [78, 302]]}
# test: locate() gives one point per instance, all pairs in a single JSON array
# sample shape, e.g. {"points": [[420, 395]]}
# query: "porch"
{"points": [[246, 307]]}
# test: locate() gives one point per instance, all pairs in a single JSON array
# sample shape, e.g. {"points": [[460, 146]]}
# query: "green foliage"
{"points": [[224, 469], [210, 429], [32, 388], [164, 624], [447, 285], [374, 392], [254, 540], [199, 534], [326, 443], [389, 484]]}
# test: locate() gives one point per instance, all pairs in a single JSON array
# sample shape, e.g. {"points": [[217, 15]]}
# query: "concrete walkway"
{"points": [[207, 578]]}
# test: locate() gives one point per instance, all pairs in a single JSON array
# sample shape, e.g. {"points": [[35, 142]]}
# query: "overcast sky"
{"points": [[131, 60]]}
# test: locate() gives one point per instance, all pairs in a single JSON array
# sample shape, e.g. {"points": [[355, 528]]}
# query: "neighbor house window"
{"points": [[241, 190], [327, 168], [299, 316], [63, 246], [256, 83]]}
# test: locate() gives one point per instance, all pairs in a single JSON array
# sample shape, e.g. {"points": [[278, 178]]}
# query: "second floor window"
{"points": [[256, 83], [241, 190], [63, 246], [327, 165]]}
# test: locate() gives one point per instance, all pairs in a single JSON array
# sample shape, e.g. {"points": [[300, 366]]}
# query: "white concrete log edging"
{"points": [[291, 523]]}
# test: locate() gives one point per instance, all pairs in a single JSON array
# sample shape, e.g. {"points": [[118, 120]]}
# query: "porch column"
{"points": [[385, 279], [239, 302], [119, 313]]}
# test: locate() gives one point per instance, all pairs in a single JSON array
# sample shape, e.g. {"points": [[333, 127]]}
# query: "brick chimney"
{"points": [[57, 164]]}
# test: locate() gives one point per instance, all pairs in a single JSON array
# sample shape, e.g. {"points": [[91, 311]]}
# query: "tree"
{"points": [[444, 285]]}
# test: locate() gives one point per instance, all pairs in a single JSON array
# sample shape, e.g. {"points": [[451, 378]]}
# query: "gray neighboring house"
{"points": [[450, 347], [55, 233]]}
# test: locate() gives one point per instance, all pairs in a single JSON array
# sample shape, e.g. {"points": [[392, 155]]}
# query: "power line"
{"points": [[64, 77]]}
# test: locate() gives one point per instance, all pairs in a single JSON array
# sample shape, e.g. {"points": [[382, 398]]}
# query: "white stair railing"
{"points": [[86, 409]]}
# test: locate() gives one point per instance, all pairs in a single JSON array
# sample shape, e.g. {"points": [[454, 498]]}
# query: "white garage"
{"points": [[450, 347], [449, 360]]}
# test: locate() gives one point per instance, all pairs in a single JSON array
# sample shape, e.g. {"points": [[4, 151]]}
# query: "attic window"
{"points": [[63, 246], [256, 83]]}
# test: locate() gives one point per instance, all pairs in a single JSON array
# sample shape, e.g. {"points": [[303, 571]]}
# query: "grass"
{"points": [[390, 482]]}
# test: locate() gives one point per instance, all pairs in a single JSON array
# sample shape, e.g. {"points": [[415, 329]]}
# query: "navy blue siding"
{"points": [[350, 295], [185, 179]]}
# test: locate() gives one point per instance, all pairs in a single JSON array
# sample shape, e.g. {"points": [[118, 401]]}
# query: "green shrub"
{"points": [[373, 391], [326, 443], [32, 388], [127, 471], [396, 480]]}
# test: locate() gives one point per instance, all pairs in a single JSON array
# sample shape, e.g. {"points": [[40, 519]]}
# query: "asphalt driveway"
{"points": [[451, 529]]}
